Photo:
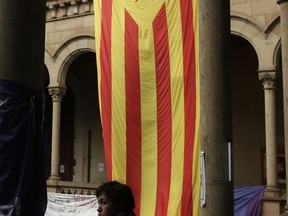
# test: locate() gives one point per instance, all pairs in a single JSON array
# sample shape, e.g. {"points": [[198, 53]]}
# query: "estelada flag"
{"points": [[147, 61]]}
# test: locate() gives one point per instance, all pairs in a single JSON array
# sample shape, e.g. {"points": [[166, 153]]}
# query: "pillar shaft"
{"points": [[57, 93], [284, 45], [215, 104], [270, 128], [22, 39]]}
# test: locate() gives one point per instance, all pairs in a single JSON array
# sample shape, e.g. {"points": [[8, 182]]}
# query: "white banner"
{"points": [[71, 205]]}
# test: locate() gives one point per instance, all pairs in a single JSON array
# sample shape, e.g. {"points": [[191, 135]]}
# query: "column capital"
{"points": [[281, 1], [57, 93], [268, 78]]}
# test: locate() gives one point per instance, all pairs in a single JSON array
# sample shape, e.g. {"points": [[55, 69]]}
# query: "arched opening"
{"points": [[81, 151], [248, 114], [67, 135], [281, 168]]}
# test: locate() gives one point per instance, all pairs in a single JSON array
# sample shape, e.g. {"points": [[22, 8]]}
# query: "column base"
{"points": [[271, 201], [53, 184], [54, 179]]}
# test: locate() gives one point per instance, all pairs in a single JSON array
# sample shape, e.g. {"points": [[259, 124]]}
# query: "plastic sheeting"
{"points": [[247, 200], [71, 205], [22, 157]]}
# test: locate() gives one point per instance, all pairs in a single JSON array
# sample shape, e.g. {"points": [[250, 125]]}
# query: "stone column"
{"points": [[22, 41], [271, 198], [284, 45], [268, 79], [56, 93], [215, 110]]}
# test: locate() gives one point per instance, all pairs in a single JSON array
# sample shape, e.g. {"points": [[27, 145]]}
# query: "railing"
{"points": [[71, 187]]}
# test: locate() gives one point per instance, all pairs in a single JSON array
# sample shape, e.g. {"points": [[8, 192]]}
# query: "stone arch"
{"points": [[273, 24], [274, 28], [47, 63], [264, 42], [60, 61], [277, 55]]}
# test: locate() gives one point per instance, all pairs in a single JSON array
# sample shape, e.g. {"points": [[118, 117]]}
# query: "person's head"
{"points": [[114, 197]]}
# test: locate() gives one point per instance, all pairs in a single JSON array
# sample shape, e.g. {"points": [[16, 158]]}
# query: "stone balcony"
{"points": [[61, 9]]}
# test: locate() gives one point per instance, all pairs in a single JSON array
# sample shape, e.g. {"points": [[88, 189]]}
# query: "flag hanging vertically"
{"points": [[147, 61]]}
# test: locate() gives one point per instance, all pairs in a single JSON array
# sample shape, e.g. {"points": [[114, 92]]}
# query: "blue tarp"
{"points": [[247, 200], [22, 151]]}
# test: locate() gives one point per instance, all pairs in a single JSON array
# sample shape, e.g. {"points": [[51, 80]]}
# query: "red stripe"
{"points": [[190, 103], [105, 64], [133, 109], [164, 113]]}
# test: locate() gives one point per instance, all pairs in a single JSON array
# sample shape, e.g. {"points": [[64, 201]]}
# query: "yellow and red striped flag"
{"points": [[148, 78]]}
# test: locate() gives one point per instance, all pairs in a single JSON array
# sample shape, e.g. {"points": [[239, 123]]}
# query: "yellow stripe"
{"points": [[97, 21], [143, 12], [196, 156], [149, 120], [177, 94], [118, 93]]}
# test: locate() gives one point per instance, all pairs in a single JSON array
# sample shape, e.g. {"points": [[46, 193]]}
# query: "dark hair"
{"points": [[118, 193]]}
